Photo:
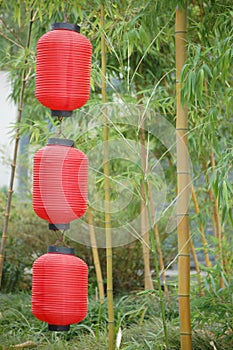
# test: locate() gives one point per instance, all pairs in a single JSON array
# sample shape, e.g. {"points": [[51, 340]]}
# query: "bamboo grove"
{"points": [[150, 58]]}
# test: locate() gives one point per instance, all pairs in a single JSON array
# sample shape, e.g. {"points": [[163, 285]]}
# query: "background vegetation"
{"points": [[140, 69]]}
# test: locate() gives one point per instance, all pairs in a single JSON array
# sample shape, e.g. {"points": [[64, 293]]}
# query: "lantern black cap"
{"points": [[57, 227], [60, 250], [67, 26], [56, 328], [58, 113], [60, 142]]}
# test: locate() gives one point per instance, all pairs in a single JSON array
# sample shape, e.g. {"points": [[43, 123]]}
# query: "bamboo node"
{"points": [[183, 172], [181, 31], [183, 254]]}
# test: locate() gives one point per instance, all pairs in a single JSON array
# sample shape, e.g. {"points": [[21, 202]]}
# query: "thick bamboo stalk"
{"points": [[195, 259], [183, 179], [96, 259], [15, 153], [107, 192]]}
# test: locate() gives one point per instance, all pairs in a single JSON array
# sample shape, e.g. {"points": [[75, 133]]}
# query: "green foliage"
{"points": [[140, 67], [137, 316]]}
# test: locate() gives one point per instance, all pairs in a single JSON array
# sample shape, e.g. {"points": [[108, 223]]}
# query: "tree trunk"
{"points": [[183, 179]]}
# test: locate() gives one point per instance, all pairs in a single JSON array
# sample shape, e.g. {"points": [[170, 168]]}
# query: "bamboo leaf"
{"points": [[193, 83], [224, 212], [207, 70], [225, 193], [201, 81], [197, 55]]}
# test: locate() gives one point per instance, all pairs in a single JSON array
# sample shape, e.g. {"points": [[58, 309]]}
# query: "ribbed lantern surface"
{"points": [[59, 288], [63, 65], [60, 183]]}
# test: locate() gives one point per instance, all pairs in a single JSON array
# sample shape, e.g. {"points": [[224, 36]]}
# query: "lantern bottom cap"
{"points": [[58, 113], [57, 328], [61, 250], [57, 227]]}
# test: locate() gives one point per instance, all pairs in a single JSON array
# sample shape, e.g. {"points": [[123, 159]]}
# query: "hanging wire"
{"points": [[60, 238], [60, 133], [66, 13]]}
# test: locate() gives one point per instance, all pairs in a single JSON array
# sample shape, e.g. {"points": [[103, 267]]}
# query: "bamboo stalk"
{"points": [[197, 267], [194, 254], [15, 152], [215, 218], [107, 192], [183, 179], [203, 239], [148, 284], [95, 254], [217, 224], [158, 243]]}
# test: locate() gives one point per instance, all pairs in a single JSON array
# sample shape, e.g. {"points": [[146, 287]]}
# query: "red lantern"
{"points": [[59, 288], [63, 65], [60, 183]]}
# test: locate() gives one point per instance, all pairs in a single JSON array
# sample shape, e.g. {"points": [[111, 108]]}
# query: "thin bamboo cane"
{"points": [[215, 218], [15, 153], [197, 267], [107, 192], [183, 179], [217, 224], [203, 239], [148, 284], [158, 243], [95, 254]]}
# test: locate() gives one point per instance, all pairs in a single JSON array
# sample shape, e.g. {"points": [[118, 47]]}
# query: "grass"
{"points": [[137, 316]]}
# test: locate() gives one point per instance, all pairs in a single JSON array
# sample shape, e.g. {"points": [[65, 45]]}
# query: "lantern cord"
{"points": [[60, 238], [65, 13], [60, 133]]}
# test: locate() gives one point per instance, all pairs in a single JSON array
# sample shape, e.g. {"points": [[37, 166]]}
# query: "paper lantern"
{"points": [[60, 183], [59, 288], [63, 65]]}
